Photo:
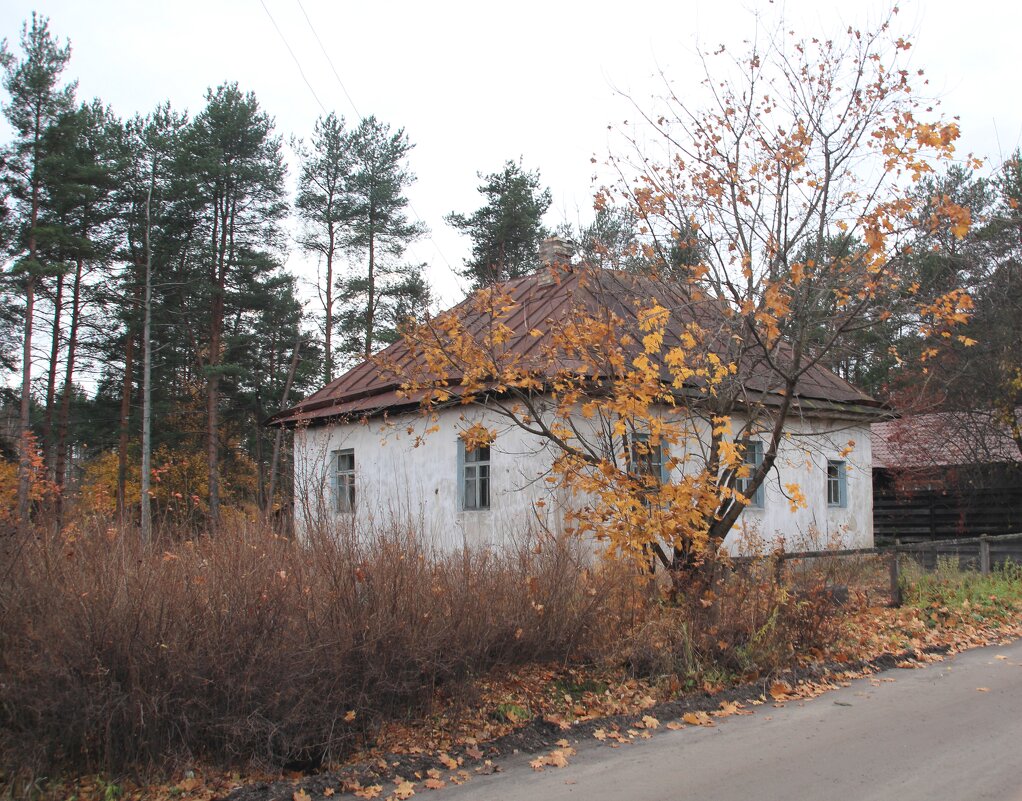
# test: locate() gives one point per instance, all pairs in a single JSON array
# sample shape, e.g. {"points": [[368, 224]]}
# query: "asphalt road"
{"points": [[901, 735]]}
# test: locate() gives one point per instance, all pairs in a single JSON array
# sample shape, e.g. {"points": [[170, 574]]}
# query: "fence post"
{"points": [[895, 578], [778, 568], [984, 554]]}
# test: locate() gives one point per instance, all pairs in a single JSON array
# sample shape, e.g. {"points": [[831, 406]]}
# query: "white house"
{"points": [[363, 453]]}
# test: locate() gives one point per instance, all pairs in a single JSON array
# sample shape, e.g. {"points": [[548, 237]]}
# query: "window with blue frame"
{"points": [[344, 480], [753, 459], [837, 483], [645, 459], [474, 476]]}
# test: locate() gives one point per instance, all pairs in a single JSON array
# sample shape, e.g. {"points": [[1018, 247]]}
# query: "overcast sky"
{"points": [[477, 83]]}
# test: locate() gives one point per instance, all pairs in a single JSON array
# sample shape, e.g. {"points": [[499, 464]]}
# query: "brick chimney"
{"points": [[555, 251]]}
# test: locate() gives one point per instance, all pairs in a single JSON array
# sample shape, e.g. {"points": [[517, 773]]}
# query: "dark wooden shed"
{"points": [[945, 475]]}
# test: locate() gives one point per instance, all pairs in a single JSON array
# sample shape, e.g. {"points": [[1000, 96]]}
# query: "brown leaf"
{"points": [[434, 784], [779, 690], [403, 790], [300, 795]]}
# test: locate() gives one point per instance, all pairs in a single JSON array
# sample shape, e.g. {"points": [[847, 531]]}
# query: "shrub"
{"points": [[744, 625], [115, 656]]}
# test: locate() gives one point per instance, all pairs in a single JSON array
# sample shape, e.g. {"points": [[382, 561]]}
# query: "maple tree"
{"points": [[794, 187]]}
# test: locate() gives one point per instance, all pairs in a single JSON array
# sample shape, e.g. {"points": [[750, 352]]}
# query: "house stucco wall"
{"points": [[408, 476]]}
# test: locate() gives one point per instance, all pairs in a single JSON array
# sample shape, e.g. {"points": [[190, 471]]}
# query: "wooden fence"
{"points": [[934, 514], [982, 553]]}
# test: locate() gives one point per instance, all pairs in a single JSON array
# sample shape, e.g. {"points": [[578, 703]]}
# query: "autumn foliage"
{"points": [[774, 223], [253, 648]]}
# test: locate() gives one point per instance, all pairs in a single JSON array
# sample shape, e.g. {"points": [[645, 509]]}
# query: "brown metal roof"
{"points": [[943, 439], [542, 302]]}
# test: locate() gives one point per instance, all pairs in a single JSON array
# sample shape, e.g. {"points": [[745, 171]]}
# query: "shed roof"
{"points": [[942, 439], [541, 302]]}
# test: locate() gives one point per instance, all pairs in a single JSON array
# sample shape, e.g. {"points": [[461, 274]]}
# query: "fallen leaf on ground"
{"points": [[780, 690], [558, 758]]}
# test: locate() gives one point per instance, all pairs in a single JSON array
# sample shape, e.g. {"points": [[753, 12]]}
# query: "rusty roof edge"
{"points": [[872, 409]]}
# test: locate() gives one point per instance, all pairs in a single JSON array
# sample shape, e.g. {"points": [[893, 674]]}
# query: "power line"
{"points": [[328, 60], [293, 56], [359, 115]]}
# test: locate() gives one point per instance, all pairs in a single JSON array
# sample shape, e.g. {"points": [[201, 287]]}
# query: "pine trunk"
{"points": [[49, 441], [64, 418], [371, 300], [278, 438], [25, 417], [125, 418], [147, 368]]}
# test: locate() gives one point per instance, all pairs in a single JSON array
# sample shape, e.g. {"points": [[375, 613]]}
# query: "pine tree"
{"points": [[37, 102], [507, 229], [324, 208], [378, 231], [82, 174], [237, 174]]}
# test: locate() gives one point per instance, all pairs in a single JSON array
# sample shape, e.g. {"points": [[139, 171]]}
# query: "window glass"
{"points": [[344, 480], [476, 478], [645, 459], [753, 459], [837, 487]]}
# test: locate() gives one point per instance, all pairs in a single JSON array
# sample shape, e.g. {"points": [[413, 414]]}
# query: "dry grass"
{"points": [[251, 647], [744, 624]]}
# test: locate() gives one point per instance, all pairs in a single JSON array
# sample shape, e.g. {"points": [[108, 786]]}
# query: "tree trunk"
{"points": [[25, 417], [371, 300], [275, 458], [147, 363], [219, 276], [328, 303], [49, 441], [125, 417], [63, 424]]}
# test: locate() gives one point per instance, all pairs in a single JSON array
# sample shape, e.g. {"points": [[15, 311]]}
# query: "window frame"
{"points": [[838, 480], [652, 463], [753, 448], [480, 498], [343, 481]]}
